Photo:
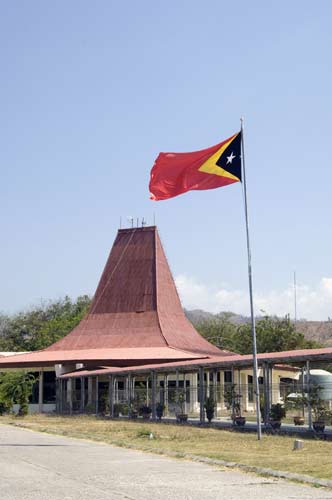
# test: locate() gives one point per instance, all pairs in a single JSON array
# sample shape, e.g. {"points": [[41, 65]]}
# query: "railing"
{"points": [[185, 400]]}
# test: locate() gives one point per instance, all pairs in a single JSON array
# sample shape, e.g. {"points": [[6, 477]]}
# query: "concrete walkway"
{"points": [[36, 466]]}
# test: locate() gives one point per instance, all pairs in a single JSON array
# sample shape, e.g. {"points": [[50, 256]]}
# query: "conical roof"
{"points": [[136, 304]]}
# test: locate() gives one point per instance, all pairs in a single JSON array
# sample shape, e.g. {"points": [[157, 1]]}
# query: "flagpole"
{"points": [[253, 328]]}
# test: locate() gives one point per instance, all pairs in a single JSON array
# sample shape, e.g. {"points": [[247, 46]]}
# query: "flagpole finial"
{"points": [[242, 120]]}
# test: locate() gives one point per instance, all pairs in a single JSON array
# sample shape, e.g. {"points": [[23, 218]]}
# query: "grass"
{"points": [[275, 452]]}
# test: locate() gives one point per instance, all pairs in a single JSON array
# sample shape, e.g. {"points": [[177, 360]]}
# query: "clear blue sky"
{"points": [[92, 91]]}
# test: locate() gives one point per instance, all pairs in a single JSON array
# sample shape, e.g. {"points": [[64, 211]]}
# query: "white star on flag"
{"points": [[230, 158]]}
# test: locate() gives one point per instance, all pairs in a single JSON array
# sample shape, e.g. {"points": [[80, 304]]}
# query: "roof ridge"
{"points": [[157, 286]]}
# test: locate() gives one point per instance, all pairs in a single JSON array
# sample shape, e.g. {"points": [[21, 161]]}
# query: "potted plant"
{"points": [[277, 413], [132, 411], [160, 410], [238, 418], [181, 416], [318, 407], [320, 415], [209, 406], [233, 403], [145, 412], [298, 420], [297, 402], [104, 403], [117, 409]]}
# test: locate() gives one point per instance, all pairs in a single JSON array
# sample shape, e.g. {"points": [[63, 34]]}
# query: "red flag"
{"points": [[177, 173]]}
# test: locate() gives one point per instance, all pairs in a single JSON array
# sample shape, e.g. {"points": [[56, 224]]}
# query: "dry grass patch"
{"points": [[275, 452]]}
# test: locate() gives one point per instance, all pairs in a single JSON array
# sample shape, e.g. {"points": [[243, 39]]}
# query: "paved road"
{"points": [[35, 466]]}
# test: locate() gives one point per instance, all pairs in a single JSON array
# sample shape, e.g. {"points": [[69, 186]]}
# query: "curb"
{"points": [[263, 471]]}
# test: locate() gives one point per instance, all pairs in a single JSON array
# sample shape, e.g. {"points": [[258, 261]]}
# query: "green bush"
{"points": [[277, 412], [16, 387]]}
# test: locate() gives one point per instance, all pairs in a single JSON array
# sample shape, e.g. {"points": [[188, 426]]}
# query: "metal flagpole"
{"points": [[295, 306], [253, 329]]}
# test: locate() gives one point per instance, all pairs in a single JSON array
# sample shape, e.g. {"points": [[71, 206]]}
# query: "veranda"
{"points": [[184, 392]]}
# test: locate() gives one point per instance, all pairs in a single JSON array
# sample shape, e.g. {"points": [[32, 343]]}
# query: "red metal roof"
{"points": [[225, 362], [116, 357], [136, 303]]}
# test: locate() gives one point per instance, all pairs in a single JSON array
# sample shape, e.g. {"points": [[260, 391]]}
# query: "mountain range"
{"points": [[321, 331]]}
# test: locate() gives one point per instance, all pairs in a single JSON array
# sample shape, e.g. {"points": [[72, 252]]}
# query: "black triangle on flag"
{"points": [[230, 160]]}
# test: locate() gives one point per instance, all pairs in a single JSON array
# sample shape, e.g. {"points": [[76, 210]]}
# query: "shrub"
{"points": [[277, 412], [16, 387]]}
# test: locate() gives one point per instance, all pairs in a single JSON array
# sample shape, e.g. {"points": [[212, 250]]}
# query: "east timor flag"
{"points": [[176, 173]]}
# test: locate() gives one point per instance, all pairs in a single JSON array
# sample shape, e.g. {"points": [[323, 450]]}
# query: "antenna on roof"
{"points": [[137, 222], [154, 218], [120, 222], [131, 220], [143, 222]]}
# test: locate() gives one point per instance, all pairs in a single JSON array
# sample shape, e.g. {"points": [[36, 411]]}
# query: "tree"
{"points": [[16, 387], [273, 334], [220, 331], [42, 325]]}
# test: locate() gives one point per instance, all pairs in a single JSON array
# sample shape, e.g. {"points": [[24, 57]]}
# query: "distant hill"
{"points": [[198, 315], [321, 331]]}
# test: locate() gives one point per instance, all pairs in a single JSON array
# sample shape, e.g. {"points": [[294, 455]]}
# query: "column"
{"points": [[194, 392], [126, 390], [132, 391], [308, 392], [166, 394], [266, 392], [82, 402], [41, 391], [90, 390], [201, 396], [57, 395], [239, 392], [184, 392], [154, 394], [303, 390], [70, 395], [270, 386], [97, 394], [111, 395], [233, 389], [116, 390], [207, 390], [62, 393], [215, 393], [129, 393]]}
